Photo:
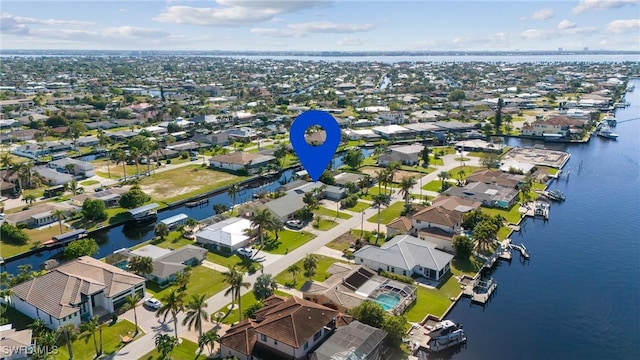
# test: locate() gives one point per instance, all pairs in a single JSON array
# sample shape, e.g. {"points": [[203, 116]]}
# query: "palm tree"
{"points": [[88, 329], [161, 230], [59, 214], [37, 326], [73, 186], [405, 188], [264, 286], [134, 154], [381, 178], [119, 156], [310, 263], [173, 304], [443, 175], [235, 279], [393, 167], [131, 302], [30, 199], [232, 191], [379, 201], [196, 313], [149, 150], [68, 333], [5, 160], [208, 339], [165, 344], [294, 270], [141, 265], [262, 221]]}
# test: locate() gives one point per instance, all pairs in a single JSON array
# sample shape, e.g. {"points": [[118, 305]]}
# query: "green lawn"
{"points": [[331, 213], [247, 300], [360, 206], [324, 262], [389, 213], [89, 182], [512, 216], [326, 224], [433, 185], [436, 301], [186, 350], [455, 172], [227, 260], [203, 281], [83, 348], [418, 169], [288, 241], [373, 191]]}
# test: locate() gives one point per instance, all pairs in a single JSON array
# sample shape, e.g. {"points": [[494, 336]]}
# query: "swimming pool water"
{"points": [[388, 301]]}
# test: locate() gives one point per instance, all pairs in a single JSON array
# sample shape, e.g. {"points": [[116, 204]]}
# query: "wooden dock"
{"points": [[480, 291]]}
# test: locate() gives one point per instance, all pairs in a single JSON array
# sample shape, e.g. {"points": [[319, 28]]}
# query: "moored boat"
{"points": [[445, 335]]}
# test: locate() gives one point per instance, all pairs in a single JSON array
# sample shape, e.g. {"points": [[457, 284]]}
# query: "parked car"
{"points": [[153, 303], [245, 252], [295, 224]]}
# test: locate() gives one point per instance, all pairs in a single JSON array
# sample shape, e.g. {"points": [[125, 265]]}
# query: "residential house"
{"points": [[242, 133], [286, 206], [167, 264], [399, 226], [496, 177], [79, 168], [76, 291], [110, 197], [394, 132], [427, 115], [354, 341], [344, 178], [490, 195], [14, 344], [219, 138], [479, 145], [392, 117], [242, 161], [439, 217], [52, 177], [404, 154], [362, 134], [225, 236], [283, 329], [556, 126], [31, 151], [41, 214], [406, 255]]}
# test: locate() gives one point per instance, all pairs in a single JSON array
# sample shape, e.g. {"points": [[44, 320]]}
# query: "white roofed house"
{"points": [[406, 255], [226, 236], [73, 167], [75, 291]]}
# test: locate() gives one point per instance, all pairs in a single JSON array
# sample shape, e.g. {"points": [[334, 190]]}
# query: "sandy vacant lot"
{"points": [[400, 174]]}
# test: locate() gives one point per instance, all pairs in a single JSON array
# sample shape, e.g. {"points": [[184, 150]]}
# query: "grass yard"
{"points": [[374, 191], [433, 185], [455, 172], [512, 216], [203, 281], [36, 238], [331, 213], [227, 260], [288, 240], [247, 300], [185, 350], [83, 348], [324, 262], [433, 161], [325, 224], [182, 183], [89, 182], [389, 213], [360, 206]]}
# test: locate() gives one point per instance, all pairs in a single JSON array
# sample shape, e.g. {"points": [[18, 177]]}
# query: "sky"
{"points": [[320, 25]]}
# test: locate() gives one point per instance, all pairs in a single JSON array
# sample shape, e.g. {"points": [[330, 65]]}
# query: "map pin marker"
{"points": [[315, 158]]}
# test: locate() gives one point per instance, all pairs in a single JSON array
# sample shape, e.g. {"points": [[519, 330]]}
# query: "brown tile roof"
{"points": [[498, 177], [438, 215], [295, 320], [401, 223], [452, 203], [59, 291], [240, 337]]}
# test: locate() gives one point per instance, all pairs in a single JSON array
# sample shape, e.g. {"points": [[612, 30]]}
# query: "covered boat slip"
{"points": [[66, 237], [142, 211], [175, 220]]}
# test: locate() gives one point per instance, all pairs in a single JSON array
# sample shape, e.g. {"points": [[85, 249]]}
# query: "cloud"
{"points": [[10, 24], [302, 29], [350, 41], [586, 5], [566, 24], [623, 26], [234, 12], [543, 14]]}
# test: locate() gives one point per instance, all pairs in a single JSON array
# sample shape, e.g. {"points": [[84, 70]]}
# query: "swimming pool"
{"points": [[388, 301]]}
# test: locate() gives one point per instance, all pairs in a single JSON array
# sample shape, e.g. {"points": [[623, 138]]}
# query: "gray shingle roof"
{"points": [[286, 205], [406, 252]]}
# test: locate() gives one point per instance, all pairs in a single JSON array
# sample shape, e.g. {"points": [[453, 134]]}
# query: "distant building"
{"points": [[80, 168], [241, 160]]}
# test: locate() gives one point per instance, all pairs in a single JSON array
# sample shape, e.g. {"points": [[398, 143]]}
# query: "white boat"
{"points": [[605, 132], [445, 335]]}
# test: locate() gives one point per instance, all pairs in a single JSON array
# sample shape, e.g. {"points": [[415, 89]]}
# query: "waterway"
{"points": [[579, 295], [124, 236]]}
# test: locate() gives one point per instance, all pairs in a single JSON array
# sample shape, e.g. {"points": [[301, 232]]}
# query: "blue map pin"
{"points": [[315, 158]]}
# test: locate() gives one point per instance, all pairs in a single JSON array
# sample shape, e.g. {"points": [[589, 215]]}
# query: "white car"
{"points": [[295, 224], [153, 303], [245, 252]]}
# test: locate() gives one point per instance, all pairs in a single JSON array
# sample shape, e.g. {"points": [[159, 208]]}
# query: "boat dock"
{"points": [[521, 249], [539, 209], [480, 291]]}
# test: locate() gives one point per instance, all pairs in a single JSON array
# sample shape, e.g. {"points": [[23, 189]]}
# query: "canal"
{"points": [[124, 236]]}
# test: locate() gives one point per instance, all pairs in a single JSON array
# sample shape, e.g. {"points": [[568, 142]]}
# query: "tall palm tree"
{"points": [[294, 270], [173, 304], [262, 221], [68, 333], [59, 214], [379, 201], [73, 186], [232, 191], [148, 151], [310, 263], [25, 172], [161, 230], [381, 178], [30, 199], [131, 302], [5, 160], [88, 329], [393, 167], [443, 175], [141, 265], [165, 344], [235, 279], [405, 188], [119, 156], [196, 312], [134, 154]]}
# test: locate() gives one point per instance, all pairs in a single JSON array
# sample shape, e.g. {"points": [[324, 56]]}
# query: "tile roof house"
{"points": [[406, 255], [354, 341], [437, 216], [41, 214], [80, 289], [110, 197], [490, 195], [496, 177], [14, 344], [283, 329], [241, 160]]}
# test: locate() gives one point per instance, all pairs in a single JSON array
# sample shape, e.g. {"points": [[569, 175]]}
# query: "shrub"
{"points": [[13, 235], [397, 277]]}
